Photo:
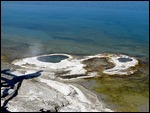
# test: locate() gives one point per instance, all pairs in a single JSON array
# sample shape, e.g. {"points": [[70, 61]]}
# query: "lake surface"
{"points": [[85, 28]]}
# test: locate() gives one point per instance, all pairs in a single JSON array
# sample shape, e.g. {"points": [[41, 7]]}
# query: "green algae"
{"points": [[125, 93], [3, 57], [128, 93]]}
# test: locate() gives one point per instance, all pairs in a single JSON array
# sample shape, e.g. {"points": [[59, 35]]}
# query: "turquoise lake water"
{"points": [[34, 28]]}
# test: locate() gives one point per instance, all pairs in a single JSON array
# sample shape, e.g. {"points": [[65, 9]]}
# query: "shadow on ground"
{"points": [[12, 86]]}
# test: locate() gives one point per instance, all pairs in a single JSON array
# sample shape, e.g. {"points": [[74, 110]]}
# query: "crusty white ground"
{"points": [[75, 66], [68, 93]]}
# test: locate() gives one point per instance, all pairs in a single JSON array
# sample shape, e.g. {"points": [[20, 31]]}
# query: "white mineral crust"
{"points": [[67, 97]]}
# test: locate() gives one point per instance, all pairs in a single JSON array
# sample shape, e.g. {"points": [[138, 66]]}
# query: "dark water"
{"points": [[53, 59], [124, 59], [33, 28]]}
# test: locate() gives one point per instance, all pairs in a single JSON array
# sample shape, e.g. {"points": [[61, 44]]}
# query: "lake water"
{"points": [[85, 28]]}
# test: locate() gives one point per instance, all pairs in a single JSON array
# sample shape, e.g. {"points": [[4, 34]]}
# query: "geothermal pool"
{"points": [[53, 58], [124, 59]]}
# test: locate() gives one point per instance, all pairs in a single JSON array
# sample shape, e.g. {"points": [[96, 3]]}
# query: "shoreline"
{"points": [[99, 97], [77, 89]]}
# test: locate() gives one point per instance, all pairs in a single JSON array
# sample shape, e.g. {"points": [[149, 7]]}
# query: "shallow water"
{"points": [[123, 93], [75, 27]]}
